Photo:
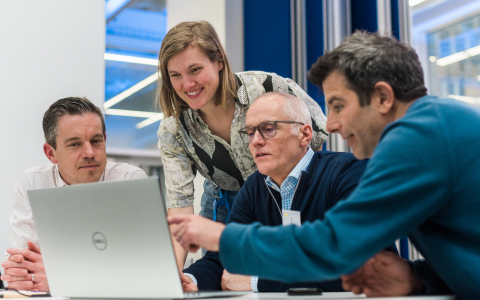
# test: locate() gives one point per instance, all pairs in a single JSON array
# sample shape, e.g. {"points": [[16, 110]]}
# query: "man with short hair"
{"points": [[293, 185], [421, 181], [75, 136]]}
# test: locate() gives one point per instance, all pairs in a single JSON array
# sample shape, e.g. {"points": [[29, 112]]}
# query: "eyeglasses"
{"points": [[266, 129]]}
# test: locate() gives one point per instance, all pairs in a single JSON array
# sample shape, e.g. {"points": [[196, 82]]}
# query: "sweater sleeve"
{"points": [[345, 183], [386, 205], [207, 271]]}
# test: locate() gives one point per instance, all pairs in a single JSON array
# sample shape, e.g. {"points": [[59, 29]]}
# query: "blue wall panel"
{"points": [[364, 15], [267, 36], [395, 19], [315, 45]]}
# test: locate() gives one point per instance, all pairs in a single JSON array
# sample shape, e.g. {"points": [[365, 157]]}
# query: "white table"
{"points": [[336, 296], [284, 296]]}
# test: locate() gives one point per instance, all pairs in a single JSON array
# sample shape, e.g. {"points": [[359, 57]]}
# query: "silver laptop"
{"points": [[108, 240]]}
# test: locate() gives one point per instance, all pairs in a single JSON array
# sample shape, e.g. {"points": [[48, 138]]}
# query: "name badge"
{"points": [[291, 217]]}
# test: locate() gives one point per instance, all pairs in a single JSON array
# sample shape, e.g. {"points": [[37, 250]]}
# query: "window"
{"points": [[446, 35], [134, 32], [454, 55]]}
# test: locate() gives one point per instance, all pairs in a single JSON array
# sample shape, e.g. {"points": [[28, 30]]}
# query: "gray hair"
{"points": [[294, 108], [66, 106], [367, 58]]}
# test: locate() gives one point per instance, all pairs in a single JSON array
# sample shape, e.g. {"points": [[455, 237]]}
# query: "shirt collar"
{"points": [[59, 179], [302, 165]]}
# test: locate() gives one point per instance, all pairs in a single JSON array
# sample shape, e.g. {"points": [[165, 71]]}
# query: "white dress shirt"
{"points": [[47, 176]]}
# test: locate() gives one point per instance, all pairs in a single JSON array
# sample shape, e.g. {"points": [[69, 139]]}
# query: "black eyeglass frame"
{"points": [[243, 133]]}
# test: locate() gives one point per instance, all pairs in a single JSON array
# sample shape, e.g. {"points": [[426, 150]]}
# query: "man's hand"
{"points": [[194, 232], [180, 253], [234, 282], [21, 265], [385, 274], [187, 283]]}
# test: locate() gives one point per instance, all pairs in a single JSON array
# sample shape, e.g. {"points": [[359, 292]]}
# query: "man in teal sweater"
{"points": [[423, 180]]}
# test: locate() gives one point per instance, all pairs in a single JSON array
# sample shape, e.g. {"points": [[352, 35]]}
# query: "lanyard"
{"points": [[275, 200], [223, 201]]}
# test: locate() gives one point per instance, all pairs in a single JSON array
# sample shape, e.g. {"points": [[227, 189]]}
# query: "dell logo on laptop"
{"points": [[99, 241]]}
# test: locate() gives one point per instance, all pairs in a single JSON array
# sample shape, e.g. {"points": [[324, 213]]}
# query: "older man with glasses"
{"points": [[293, 185]]}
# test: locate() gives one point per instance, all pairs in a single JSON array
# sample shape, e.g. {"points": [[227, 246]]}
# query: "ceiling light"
{"points": [[151, 117], [415, 2], [149, 80], [147, 122], [133, 113], [478, 77], [432, 58], [466, 99], [131, 59], [458, 56]]}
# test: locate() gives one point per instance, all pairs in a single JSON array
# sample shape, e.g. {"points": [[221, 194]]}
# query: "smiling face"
{"points": [[194, 77], [361, 126], [276, 156], [80, 153]]}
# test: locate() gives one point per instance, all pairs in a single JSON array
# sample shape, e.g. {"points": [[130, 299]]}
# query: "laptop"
{"points": [[108, 240]]}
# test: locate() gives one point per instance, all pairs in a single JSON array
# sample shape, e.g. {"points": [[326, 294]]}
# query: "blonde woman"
{"points": [[204, 104]]}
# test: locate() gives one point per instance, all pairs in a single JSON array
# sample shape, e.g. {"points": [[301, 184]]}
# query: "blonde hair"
{"points": [[195, 34]]}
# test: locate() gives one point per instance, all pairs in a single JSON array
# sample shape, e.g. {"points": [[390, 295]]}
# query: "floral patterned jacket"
{"points": [[176, 138]]}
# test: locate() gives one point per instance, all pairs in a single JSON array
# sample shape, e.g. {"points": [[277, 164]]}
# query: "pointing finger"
{"points": [[176, 219]]}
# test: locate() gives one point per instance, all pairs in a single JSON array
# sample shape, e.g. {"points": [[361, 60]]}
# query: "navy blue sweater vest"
{"points": [[329, 178]]}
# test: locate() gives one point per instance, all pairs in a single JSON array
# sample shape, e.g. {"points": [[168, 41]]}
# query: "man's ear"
{"points": [[306, 133], [49, 152], [384, 97]]}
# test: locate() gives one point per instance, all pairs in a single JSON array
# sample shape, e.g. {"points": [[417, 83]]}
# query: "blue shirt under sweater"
{"points": [[329, 178], [422, 180]]}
